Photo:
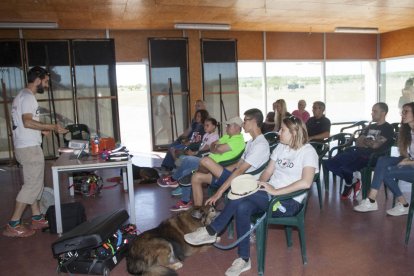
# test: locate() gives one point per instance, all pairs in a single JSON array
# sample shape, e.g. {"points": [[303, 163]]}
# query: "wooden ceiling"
{"points": [[242, 15]]}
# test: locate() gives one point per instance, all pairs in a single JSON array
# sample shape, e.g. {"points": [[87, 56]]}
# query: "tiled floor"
{"points": [[339, 241]]}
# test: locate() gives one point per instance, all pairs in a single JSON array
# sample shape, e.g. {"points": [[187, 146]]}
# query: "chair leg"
{"points": [[318, 186], [325, 177], [410, 215], [302, 239], [409, 222], [288, 232], [261, 239]]}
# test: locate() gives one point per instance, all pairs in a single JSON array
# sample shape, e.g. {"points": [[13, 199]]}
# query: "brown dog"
{"points": [[159, 251]]}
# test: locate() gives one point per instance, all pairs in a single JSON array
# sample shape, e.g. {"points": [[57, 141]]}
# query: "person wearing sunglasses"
{"points": [[292, 167]]}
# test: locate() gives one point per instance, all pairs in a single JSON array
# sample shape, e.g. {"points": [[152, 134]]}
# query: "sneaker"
{"points": [[185, 180], [39, 224], [366, 206], [346, 193], [166, 181], [181, 206], [177, 191], [18, 231], [398, 210], [200, 236], [357, 188], [238, 266]]}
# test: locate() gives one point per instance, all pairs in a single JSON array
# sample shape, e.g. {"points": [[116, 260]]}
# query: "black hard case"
{"points": [[87, 236]]}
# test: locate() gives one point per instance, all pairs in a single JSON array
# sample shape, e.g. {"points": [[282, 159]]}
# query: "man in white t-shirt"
{"points": [[27, 138], [256, 154]]}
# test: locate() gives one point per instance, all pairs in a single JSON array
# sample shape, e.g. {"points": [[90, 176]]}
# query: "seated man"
{"points": [[226, 148], [318, 126], [256, 154], [375, 137]]}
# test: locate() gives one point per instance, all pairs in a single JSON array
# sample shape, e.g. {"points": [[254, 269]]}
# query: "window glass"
{"points": [[293, 81], [251, 86], [351, 90], [219, 61], [133, 104], [394, 76]]}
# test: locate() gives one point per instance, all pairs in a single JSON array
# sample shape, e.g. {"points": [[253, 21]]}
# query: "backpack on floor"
{"points": [[73, 214]]}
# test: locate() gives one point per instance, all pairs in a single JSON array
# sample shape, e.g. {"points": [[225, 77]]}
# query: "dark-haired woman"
{"points": [[191, 135]]}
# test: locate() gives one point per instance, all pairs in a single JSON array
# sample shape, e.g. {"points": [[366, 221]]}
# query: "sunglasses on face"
{"points": [[293, 119]]}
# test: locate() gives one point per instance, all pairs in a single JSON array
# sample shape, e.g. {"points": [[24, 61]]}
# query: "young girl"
{"points": [[391, 169], [210, 136], [292, 167], [190, 163]]}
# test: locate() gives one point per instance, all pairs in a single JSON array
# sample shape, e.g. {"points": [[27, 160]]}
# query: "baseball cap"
{"points": [[235, 120]]}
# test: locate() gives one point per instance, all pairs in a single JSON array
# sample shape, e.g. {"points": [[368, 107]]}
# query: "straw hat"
{"points": [[242, 186]]}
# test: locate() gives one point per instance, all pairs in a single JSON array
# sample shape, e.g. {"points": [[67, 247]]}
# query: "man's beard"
{"points": [[40, 89]]}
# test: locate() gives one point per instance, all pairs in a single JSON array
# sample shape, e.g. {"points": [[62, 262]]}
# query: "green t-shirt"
{"points": [[235, 142]]}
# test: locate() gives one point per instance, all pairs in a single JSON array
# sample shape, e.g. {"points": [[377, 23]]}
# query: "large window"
{"points": [[394, 75], [293, 81], [12, 81], [133, 100], [251, 86], [169, 89], [220, 81], [351, 90]]}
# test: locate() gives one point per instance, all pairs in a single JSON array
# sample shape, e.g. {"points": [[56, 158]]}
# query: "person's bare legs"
{"points": [[18, 211], [197, 181]]}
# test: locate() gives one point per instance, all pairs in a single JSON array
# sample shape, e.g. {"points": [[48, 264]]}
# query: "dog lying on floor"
{"points": [[159, 251]]}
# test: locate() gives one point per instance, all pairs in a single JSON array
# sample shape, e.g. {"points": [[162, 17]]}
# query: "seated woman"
{"points": [[269, 123], [301, 113], [191, 135], [391, 169], [292, 167], [280, 109]]}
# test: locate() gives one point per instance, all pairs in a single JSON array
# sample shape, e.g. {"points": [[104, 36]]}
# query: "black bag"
{"points": [[73, 214], [95, 246]]}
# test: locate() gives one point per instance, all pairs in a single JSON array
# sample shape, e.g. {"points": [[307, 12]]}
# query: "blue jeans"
{"points": [[242, 209], [388, 171], [168, 161], [346, 163], [188, 164]]}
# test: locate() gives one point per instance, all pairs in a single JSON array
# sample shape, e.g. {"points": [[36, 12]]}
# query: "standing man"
{"points": [[318, 126], [27, 139]]}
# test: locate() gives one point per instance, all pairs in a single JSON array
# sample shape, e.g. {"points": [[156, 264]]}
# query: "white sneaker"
{"points": [[200, 236], [366, 206], [398, 210], [238, 266]]}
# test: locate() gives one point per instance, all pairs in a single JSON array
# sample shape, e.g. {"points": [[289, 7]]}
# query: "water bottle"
{"points": [[95, 144]]}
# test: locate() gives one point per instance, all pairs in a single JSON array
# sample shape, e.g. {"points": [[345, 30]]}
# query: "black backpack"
{"points": [[73, 214]]}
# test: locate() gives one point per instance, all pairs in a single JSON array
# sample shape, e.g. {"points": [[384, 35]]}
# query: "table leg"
{"points": [[124, 178], [71, 187], [131, 194], [58, 212]]}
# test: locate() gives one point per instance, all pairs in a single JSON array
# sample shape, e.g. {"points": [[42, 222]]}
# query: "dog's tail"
{"points": [[136, 267]]}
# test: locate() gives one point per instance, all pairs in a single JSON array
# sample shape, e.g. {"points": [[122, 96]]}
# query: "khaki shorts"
{"points": [[33, 162]]}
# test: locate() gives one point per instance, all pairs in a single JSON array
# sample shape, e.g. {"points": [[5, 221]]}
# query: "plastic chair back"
{"points": [[297, 221], [76, 132]]}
